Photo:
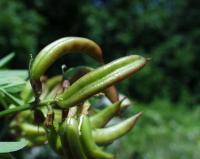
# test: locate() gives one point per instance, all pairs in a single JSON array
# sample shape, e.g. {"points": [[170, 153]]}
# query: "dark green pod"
{"points": [[90, 148], [54, 140], [64, 141], [72, 133], [101, 118], [100, 79], [108, 135]]}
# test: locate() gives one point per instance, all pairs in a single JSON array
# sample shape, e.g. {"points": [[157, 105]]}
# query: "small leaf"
{"points": [[6, 59], [6, 147]]}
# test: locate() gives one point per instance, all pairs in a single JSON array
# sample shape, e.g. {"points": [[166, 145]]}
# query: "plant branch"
{"points": [[14, 110], [24, 107]]}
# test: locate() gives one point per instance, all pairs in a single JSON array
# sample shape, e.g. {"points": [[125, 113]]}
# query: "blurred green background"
{"points": [[167, 90]]}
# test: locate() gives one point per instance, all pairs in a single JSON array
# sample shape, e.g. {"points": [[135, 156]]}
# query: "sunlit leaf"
{"points": [[6, 147], [11, 97]]}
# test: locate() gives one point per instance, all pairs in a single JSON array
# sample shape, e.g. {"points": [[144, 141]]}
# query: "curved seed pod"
{"points": [[100, 79], [89, 145], [64, 141], [46, 49], [108, 135], [73, 138], [50, 54], [103, 117], [54, 139]]}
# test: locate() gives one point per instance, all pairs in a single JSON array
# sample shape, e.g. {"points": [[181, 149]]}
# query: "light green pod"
{"points": [[100, 79], [27, 93], [108, 135], [46, 49], [36, 140], [72, 133], [32, 130], [55, 50], [74, 74], [89, 145], [101, 118]]}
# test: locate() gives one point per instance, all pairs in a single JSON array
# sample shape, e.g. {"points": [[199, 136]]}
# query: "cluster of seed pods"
{"points": [[68, 121]]}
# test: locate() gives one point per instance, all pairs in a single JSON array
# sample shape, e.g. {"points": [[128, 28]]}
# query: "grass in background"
{"points": [[166, 131]]}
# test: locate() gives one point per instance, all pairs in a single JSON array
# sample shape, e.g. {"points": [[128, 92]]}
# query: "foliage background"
{"points": [[167, 31]]}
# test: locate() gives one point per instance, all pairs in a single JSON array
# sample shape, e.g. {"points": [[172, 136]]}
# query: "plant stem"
{"points": [[14, 110], [23, 108]]}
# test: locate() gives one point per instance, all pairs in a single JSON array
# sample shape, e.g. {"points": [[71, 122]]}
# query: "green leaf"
{"points": [[6, 147], [23, 74], [12, 98], [14, 87], [6, 59], [13, 81]]}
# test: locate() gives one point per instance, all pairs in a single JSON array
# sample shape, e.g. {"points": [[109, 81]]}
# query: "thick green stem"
{"points": [[14, 110], [23, 108]]}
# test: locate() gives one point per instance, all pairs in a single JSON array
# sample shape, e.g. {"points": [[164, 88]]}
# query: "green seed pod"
{"points": [[64, 141], [89, 145], [74, 74], [36, 140], [100, 79], [54, 139], [30, 130], [73, 138], [27, 93], [108, 135], [55, 50], [101, 118]]}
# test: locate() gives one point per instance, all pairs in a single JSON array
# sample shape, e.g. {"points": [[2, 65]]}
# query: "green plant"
{"points": [[63, 109]]}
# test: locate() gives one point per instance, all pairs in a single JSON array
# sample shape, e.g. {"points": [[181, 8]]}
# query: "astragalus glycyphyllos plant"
{"points": [[61, 105]]}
